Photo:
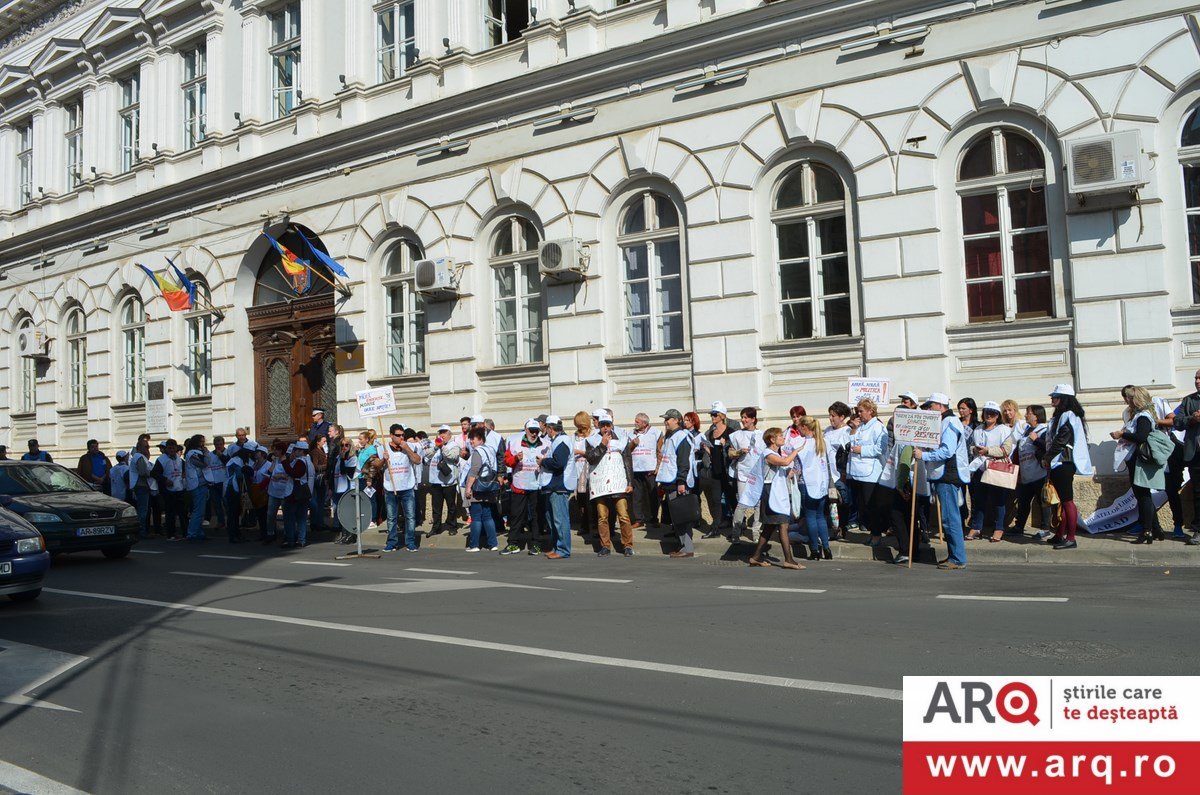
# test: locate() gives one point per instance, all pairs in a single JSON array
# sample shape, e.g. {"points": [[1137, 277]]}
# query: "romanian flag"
{"points": [[295, 267], [323, 258], [179, 297]]}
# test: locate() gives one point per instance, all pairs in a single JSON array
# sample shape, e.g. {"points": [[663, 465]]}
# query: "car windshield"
{"points": [[39, 479]]}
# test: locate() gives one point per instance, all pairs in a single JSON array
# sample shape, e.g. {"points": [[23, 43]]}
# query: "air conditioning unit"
{"points": [[1110, 163], [563, 260], [33, 343], [435, 278]]}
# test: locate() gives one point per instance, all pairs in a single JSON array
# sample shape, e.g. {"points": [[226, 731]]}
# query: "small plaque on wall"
{"points": [[349, 361]]}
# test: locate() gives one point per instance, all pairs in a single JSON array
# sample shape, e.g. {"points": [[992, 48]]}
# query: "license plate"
{"points": [[107, 530], [5, 568]]}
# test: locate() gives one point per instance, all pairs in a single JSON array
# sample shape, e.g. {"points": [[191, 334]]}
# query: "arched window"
{"points": [[405, 311], [518, 291], [199, 340], [75, 324], [1189, 158], [651, 274], [812, 249], [27, 389], [1006, 239], [133, 350]]}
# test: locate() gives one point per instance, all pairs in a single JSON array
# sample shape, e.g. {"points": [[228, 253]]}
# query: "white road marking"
{"points": [[225, 557], [317, 563], [968, 597], [764, 588], [408, 586], [25, 668], [18, 779], [532, 651], [585, 579], [435, 571], [147, 551]]}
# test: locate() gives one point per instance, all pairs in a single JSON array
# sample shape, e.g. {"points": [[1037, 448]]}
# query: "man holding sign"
{"points": [[947, 471]]}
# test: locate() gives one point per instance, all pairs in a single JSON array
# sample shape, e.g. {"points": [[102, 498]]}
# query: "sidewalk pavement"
{"points": [[1109, 549]]}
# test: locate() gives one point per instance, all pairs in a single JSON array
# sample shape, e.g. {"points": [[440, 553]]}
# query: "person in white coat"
{"points": [[868, 450], [774, 467], [813, 460], [991, 441], [746, 446], [1066, 456]]}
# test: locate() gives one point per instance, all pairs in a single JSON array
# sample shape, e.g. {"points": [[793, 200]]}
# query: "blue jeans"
{"points": [[985, 496], [482, 520], [560, 521], [814, 520], [141, 499], [294, 526], [199, 501], [273, 506], [408, 501], [849, 508], [947, 494]]}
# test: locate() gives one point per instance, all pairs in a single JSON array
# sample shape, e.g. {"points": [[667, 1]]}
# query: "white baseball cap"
{"points": [[553, 419], [301, 445], [992, 405], [532, 424], [718, 408], [911, 396], [443, 428], [604, 416], [476, 419], [940, 398], [1062, 389], [596, 413]]}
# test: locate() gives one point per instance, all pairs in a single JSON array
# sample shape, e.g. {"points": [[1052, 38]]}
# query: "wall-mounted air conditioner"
{"points": [[435, 279], [1109, 163], [33, 343], [563, 260]]}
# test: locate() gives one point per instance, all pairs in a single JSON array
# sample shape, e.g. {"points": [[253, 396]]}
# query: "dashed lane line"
{"points": [[974, 598], [148, 551], [409, 586], [317, 563], [586, 579], [225, 557], [437, 571], [509, 648], [766, 588]]}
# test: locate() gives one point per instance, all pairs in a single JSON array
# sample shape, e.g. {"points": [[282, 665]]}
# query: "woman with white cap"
{"points": [[992, 441], [1066, 456], [1140, 422]]}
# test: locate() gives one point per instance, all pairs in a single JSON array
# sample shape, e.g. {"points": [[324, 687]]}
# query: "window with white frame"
{"points": [[133, 350], [812, 252], [651, 274], [1006, 235], [285, 59], [396, 38], [26, 402], [73, 137], [25, 162], [131, 118], [503, 21], [76, 328], [518, 292], [199, 341], [1189, 158], [195, 94], [405, 311]]}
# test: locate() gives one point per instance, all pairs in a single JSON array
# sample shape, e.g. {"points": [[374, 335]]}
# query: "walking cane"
{"points": [[912, 512], [941, 535]]}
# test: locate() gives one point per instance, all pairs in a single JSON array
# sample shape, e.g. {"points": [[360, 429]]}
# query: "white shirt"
{"points": [[281, 482], [172, 469], [193, 470], [645, 454], [116, 479], [399, 475], [214, 469], [752, 443]]}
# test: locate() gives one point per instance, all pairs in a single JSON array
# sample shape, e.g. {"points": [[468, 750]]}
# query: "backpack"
{"points": [[1156, 449], [486, 484]]}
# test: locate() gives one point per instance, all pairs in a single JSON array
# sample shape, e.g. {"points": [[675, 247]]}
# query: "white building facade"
{"points": [[771, 197]]}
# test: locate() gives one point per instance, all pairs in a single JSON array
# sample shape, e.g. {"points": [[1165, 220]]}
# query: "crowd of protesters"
{"points": [[802, 485]]}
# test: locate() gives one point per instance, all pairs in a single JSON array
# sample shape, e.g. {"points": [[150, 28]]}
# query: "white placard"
{"points": [[874, 388], [157, 420], [376, 402], [918, 428]]}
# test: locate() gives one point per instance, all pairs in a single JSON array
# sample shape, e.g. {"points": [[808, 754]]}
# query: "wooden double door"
{"points": [[295, 365]]}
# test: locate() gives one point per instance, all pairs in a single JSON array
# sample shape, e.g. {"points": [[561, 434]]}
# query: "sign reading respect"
{"points": [[919, 428]]}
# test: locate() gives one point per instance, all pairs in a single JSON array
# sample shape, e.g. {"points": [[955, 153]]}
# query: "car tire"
{"points": [[26, 596], [116, 553]]}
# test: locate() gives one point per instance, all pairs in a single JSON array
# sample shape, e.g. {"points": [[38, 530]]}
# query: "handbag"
{"points": [[684, 508], [1001, 474], [796, 499], [1050, 494]]}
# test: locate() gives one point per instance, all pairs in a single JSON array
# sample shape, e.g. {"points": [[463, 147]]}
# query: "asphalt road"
{"points": [[484, 675]]}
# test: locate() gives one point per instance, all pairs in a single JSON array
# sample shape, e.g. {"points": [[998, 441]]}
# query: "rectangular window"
{"points": [[518, 313], [285, 59], [78, 375], [131, 119], [133, 345], [73, 112], [195, 95], [25, 163], [406, 330], [27, 399], [503, 21], [653, 290], [1191, 201], [396, 46], [199, 343]]}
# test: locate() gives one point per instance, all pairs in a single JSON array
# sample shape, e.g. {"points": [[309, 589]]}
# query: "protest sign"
{"points": [[918, 428], [874, 388], [376, 402]]}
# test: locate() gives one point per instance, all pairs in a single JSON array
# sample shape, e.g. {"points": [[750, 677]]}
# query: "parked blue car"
{"points": [[23, 558]]}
